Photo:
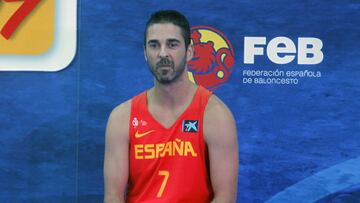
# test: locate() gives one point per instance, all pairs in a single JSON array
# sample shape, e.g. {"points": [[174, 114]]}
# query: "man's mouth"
{"points": [[164, 69], [164, 66]]}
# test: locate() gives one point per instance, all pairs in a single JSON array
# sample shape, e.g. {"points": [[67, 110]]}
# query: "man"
{"points": [[175, 142]]}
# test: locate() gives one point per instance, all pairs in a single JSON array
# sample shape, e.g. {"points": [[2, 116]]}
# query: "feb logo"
{"points": [[213, 58]]}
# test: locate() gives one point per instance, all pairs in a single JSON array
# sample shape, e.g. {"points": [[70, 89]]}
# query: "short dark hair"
{"points": [[170, 16]]}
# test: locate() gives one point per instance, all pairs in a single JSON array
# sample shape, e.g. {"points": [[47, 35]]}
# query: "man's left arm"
{"points": [[221, 139]]}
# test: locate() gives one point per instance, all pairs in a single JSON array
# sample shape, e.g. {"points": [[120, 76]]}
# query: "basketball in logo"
{"points": [[213, 58]]}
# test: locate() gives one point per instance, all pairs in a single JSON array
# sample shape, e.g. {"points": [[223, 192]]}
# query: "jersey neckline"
{"points": [[197, 92]]}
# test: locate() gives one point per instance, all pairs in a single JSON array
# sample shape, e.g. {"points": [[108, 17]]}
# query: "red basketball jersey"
{"points": [[168, 165]]}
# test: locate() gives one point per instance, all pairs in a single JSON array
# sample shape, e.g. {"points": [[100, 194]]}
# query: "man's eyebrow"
{"points": [[153, 41], [174, 40]]}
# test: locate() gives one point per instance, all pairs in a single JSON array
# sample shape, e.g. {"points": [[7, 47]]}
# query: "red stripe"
{"points": [[18, 17]]}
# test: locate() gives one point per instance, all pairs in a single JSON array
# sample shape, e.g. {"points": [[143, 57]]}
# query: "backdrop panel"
{"points": [[293, 88]]}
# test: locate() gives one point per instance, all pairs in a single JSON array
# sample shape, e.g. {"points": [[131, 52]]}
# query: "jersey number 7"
{"points": [[163, 184]]}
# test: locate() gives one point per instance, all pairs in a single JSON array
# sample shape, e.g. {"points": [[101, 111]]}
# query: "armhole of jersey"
{"points": [[205, 96], [134, 110], [130, 121]]}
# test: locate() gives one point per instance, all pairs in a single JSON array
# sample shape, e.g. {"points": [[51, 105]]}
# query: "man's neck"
{"points": [[173, 95]]}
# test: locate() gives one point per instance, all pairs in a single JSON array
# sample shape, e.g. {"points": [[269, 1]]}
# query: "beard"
{"points": [[165, 71]]}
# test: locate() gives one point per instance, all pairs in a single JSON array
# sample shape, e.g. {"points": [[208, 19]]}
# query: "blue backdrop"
{"points": [[298, 142]]}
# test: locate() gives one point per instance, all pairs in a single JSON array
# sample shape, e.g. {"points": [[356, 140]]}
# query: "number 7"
{"points": [[18, 17], [163, 184]]}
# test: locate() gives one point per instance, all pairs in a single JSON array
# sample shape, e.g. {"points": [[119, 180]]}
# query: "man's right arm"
{"points": [[116, 162]]}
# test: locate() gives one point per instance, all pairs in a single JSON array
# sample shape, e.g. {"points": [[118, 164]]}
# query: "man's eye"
{"points": [[173, 44], [153, 45]]}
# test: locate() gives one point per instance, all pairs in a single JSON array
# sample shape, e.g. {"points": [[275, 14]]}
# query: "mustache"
{"points": [[164, 62]]}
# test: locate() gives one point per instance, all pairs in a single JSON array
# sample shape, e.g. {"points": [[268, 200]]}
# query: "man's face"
{"points": [[165, 52]]}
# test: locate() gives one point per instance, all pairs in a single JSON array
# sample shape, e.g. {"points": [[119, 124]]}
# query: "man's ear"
{"points": [[145, 54], [189, 52]]}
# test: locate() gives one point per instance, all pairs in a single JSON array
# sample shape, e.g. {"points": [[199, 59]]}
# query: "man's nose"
{"points": [[163, 52]]}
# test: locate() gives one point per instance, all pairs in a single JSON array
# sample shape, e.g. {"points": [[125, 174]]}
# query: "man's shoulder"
{"points": [[124, 108], [121, 111], [117, 130], [218, 118], [216, 106]]}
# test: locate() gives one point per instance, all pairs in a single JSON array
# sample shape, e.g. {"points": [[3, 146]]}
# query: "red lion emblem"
{"points": [[210, 68]]}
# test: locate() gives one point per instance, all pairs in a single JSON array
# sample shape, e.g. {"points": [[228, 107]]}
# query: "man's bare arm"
{"points": [[116, 162], [221, 139]]}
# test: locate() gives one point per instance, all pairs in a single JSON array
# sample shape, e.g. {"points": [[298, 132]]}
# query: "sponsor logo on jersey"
{"points": [[176, 147], [190, 126], [213, 58], [143, 123], [135, 122], [139, 135]]}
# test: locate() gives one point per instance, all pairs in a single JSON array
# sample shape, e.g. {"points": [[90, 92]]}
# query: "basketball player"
{"points": [[175, 142]]}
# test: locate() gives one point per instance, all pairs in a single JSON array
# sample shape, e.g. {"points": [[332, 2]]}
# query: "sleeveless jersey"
{"points": [[168, 165]]}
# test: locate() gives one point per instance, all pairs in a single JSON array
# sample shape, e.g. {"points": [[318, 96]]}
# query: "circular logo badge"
{"points": [[213, 58]]}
